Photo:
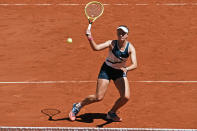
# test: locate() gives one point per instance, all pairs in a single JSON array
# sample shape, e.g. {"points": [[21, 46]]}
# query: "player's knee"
{"points": [[91, 97], [125, 98]]}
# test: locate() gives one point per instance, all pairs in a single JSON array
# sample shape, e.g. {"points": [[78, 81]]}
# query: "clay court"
{"points": [[40, 70]]}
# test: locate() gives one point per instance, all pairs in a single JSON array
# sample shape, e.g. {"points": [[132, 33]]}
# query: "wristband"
{"points": [[127, 68], [90, 38]]}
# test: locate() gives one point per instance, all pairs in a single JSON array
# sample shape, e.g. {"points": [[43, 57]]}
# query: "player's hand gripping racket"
{"points": [[93, 11]]}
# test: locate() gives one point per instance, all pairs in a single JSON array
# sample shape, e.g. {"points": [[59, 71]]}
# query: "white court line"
{"points": [[72, 81], [141, 4], [70, 4], [103, 4], [165, 81], [174, 4], [45, 82], [121, 4], [21, 4], [117, 4], [94, 128], [43, 4]]}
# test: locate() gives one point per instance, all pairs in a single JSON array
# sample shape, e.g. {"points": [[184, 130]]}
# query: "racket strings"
{"points": [[94, 10]]}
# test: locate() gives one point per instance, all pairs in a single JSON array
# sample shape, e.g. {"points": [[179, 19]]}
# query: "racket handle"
{"points": [[89, 26]]}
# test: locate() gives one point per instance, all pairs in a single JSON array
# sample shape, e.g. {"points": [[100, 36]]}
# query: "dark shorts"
{"points": [[109, 73]]}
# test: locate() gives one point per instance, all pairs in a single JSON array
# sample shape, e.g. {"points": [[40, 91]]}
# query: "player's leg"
{"points": [[122, 85], [102, 85]]}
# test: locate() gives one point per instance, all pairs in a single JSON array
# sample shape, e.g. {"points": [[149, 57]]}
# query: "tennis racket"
{"points": [[93, 10]]}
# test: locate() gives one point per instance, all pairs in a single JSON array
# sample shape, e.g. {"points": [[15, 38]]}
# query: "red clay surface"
{"points": [[33, 48]]}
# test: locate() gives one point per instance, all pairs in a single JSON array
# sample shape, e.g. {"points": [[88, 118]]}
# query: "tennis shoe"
{"points": [[75, 110], [113, 117]]}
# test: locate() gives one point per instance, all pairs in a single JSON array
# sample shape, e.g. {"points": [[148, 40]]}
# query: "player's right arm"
{"points": [[94, 46]]}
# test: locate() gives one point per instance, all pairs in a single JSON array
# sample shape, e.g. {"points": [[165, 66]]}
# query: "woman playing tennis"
{"points": [[113, 68]]}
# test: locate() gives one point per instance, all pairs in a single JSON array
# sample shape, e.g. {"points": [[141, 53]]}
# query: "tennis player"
{"points": [[114, 68]]}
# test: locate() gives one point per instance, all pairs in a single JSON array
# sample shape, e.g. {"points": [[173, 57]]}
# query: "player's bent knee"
{"points": [[125, 98], [91, 97]]}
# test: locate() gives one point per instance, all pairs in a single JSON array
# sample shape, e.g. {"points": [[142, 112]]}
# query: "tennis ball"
{"points": [[69, 40]]}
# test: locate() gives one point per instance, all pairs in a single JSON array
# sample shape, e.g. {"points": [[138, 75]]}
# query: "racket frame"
{"points": [[92, 19]]}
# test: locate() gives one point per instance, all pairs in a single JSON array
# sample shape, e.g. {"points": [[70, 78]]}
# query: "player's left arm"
{"points": [[133, 58]]}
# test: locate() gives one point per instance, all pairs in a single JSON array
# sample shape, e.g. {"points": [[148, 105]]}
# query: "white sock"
{"points": [[78, 105]]}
